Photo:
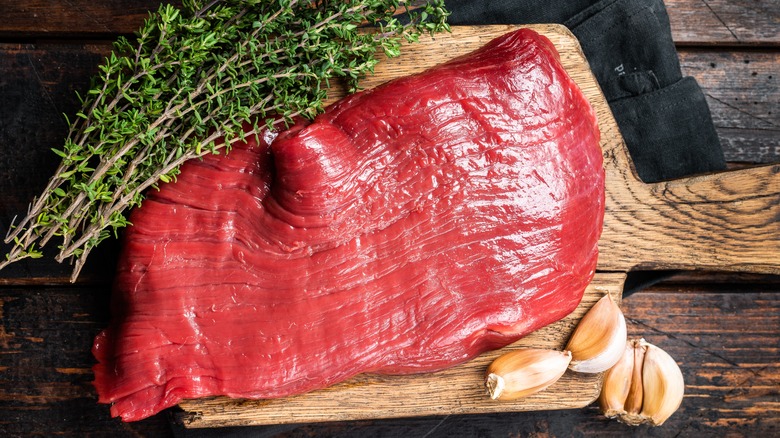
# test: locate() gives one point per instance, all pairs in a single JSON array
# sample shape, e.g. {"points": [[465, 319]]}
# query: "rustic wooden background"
{"points": [[723, 329]]}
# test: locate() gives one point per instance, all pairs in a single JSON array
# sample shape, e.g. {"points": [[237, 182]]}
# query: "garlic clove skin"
{"points": [[599, 340], [523, 372], [617, 382], [663, 386]]}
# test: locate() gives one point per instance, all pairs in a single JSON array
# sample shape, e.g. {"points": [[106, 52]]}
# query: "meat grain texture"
{"points": [[407, 229]]}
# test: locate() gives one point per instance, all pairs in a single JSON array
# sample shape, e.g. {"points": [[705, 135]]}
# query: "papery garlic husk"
{"points": [[599, 339], [523, 372], [645, 387]]}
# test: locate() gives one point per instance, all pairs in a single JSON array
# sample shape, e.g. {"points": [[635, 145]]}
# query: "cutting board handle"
{"points": [[727, 221]]}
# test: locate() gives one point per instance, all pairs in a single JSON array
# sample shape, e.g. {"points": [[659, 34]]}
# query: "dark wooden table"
{"points": [[723, 329]]}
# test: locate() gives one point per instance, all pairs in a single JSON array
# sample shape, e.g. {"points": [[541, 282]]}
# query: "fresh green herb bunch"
{"points": [[188, 86]]}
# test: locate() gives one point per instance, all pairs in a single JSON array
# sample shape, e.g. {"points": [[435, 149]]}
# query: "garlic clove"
{"points": [[599, 340], [523, 372], [635, 397], [617, 382], [663, 385]]}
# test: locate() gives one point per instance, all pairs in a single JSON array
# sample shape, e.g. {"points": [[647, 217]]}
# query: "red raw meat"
{"points": [[407, 229]]}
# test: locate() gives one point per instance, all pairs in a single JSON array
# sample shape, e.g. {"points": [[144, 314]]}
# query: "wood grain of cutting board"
{"points": [[727, 221]]}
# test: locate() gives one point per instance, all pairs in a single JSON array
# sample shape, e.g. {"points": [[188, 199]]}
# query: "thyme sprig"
{"points": [[189, 85]]}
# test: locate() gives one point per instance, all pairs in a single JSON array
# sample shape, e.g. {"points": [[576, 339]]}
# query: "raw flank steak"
{"points": [[407, 229]]}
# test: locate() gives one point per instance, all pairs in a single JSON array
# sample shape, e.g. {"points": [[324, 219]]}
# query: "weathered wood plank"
{"points": [[726, 345], [724, 22], [693, 22], [725, 341], [743, 92], [74, 18], [45, 365], [38, 86]]}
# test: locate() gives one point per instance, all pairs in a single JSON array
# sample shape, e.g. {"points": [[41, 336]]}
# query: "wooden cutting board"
{"points": [[727, 221]]}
